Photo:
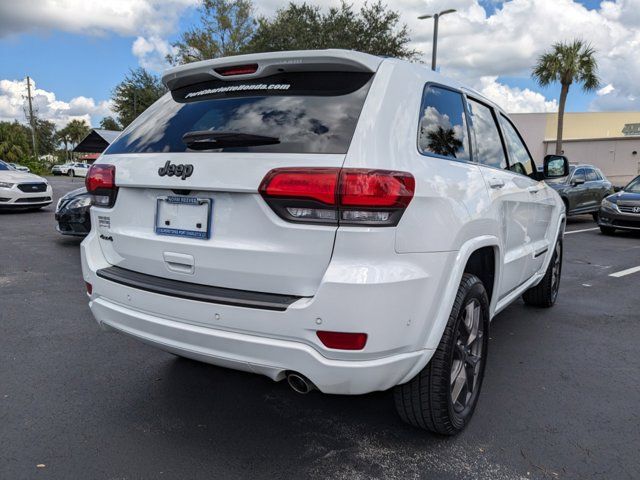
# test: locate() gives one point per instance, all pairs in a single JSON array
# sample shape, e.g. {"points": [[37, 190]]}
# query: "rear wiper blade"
{"points": [[209, 140]]}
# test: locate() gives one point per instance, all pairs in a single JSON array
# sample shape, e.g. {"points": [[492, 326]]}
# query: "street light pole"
{"points": [[436, 18]]}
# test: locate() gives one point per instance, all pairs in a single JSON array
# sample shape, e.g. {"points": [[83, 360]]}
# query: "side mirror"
{"points": [[577, 181], [555, 166]]}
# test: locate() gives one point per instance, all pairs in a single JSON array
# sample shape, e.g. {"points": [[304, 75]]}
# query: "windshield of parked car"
{"points": [[299, 112], [4, 166], [634, 186]]}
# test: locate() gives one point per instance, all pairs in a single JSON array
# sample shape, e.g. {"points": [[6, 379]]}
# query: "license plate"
{"points": [[184, 216]]}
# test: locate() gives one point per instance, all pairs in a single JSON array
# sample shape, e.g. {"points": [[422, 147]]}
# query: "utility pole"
{"points": [[32, 120], [436, 17]]}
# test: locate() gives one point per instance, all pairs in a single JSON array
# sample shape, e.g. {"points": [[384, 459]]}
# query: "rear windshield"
{"points": [[299, 112]]}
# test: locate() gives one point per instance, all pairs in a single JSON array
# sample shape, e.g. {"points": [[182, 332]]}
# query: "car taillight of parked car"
{"points": [[101, 184], [332, 196]]}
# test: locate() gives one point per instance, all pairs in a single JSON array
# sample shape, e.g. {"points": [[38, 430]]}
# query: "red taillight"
{"points": [[376, 188], [343, 340], [237, 70], [101, 183], [309, 183], [89, 287], [333, 195]]}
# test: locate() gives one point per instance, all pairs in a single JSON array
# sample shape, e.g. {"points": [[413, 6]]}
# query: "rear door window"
{"points": [[488, 147], [443, 129], [303, 112], [519, 159], [592, 176]]}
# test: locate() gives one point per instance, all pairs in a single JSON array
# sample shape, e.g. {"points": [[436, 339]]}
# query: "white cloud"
{"points": [[13, 104], [150, 21], [472, 44], [606, 90], [152, 52], [93, 17], [515, 100]]}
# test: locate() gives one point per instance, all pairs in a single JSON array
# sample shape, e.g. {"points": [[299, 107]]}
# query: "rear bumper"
{"points": [[394, 301], [251, 353]]}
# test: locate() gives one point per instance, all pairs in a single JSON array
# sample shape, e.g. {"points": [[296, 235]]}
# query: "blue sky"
{"points": [[77, 63]]}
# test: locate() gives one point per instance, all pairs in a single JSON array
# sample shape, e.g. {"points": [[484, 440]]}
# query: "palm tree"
{"points": [[63, 137], [444, 142], [567, 63]]}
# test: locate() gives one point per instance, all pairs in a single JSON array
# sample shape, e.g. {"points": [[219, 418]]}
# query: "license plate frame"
{"points": [[179, 204]]}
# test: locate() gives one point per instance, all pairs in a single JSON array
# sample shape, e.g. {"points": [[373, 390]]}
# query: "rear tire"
{"points": [[71, 173], [545, 293], [596, 216], [443, 396], [607, 230]]}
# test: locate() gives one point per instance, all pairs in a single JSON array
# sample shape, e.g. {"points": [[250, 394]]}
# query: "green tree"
{"points": [[225, 28], [567, 63], [374, 29], [78, 129], [15, 142], [109, 123], [135, 94], [62, 136], [45, 137]]}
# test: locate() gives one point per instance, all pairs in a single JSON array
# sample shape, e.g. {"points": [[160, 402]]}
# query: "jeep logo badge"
{"points": [[169, 169]]}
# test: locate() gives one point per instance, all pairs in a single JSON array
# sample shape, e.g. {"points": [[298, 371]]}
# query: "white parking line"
{"points": [[628, 271], [578, 231]]}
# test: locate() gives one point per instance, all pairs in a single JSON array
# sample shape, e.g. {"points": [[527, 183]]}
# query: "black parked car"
{"points": [[72, 213], [621, 210], [583, 189]]}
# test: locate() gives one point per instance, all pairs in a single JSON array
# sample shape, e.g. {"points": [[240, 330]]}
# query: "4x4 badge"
{"points": [[169, 169]]}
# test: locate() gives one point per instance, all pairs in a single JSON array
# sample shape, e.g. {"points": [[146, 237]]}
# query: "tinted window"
{"points": [[591, 175], [580, 174], [4, 166], [300, 112], [489, 150], [519, 159], [443, 129]]}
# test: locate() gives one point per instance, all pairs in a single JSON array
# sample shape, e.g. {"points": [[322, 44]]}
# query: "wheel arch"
{"points": [[483, 244]]}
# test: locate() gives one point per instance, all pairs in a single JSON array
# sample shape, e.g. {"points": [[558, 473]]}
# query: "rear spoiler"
{"points": [[265, 64]]}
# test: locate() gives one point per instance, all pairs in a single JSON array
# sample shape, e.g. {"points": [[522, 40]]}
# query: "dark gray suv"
{"points": [[582, 190]]}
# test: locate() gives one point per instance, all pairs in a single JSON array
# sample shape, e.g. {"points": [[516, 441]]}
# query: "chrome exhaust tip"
{"points": [[299, 383]]}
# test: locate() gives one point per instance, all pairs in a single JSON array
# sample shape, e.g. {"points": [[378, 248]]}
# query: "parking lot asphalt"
{"points": [[560, 397]]}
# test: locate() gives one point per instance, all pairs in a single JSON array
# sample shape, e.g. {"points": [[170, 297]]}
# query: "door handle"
{"points": [[535, 189], [496, 182]]}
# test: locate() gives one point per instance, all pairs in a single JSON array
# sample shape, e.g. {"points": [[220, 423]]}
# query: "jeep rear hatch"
{"points": [[199, 155]]}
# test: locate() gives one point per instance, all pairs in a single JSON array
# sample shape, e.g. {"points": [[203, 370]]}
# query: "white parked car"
{"points": [[78, 169], [347, 222], [61, 169], [22, 190], [20, 168], [73, 169]]}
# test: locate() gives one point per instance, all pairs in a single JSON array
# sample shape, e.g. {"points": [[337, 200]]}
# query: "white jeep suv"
{"points": [[347, 222]]}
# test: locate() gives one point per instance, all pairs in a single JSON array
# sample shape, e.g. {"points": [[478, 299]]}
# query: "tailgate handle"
{"points": [[179, 262]]}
